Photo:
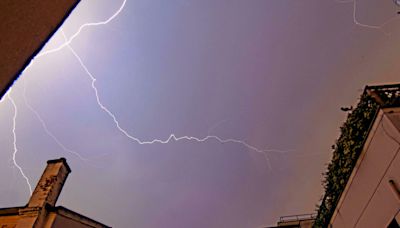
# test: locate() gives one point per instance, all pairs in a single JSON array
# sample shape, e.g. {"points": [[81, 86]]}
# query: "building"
{"points": [[41, 210], [363, 178], [371, 197], [25, 27], [362, 181]]}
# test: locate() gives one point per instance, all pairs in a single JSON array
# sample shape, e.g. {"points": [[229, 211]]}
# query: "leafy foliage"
{"points": [[349, 146]]}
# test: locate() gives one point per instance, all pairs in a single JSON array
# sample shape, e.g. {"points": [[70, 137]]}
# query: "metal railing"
{"points": [[299, 217]]}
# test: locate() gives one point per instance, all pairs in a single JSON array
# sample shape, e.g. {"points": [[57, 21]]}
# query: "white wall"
{"points": [[368, 199]]}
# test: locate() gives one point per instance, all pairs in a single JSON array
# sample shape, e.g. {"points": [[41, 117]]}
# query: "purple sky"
{"points": [[273, 73]]}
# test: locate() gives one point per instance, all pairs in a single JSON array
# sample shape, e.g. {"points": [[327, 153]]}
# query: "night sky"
{"points": [[272, 73]]}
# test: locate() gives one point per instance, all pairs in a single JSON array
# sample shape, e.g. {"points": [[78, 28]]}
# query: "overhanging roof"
{"points": [[25, 27]]}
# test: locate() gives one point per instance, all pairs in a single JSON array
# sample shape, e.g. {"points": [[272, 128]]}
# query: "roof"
{"points": [[9, 211], [25, 27], [59, 210]]}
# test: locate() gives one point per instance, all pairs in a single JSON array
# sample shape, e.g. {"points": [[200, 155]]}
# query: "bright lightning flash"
{"points": [[15, 143]]}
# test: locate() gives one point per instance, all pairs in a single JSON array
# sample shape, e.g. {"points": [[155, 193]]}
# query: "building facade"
{"points": [[371, 197], [362, 181], [363, 178]]}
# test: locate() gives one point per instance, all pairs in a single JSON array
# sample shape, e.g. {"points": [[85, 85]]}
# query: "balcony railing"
{"points": [[385, 95], [299, 217]]}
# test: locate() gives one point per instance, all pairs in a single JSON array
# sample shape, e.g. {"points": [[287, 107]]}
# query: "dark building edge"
{"points": [[16, 76]]}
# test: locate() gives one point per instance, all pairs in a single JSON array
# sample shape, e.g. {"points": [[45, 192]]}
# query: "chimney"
{"points": [[50, 184], [45, 194]]}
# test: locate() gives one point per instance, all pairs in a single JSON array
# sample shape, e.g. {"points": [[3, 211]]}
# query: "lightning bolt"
{"points": [[14, 155], [48, 132], [357, 22], [172, 136], [46, 129], [86, 25]]}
